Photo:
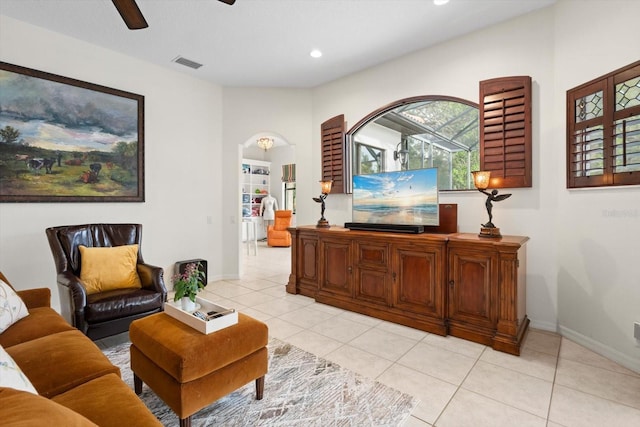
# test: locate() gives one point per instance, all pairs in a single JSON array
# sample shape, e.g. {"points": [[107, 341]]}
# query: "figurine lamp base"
{"points": [[489, 232], [322, 223]]}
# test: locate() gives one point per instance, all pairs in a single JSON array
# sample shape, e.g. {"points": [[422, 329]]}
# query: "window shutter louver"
{"points": [[603, 130], [586, 133], [625, 144], [505, 131], [333, 152]]}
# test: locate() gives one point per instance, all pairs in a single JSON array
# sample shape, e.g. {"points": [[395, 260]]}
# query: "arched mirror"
{"points": [[419, 132]]}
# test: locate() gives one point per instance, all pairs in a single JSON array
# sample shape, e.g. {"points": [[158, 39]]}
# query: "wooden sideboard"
{"points": [[458, 284]]}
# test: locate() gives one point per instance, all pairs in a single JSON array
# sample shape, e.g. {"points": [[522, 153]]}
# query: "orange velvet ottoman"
{"points": [[190, 370]]}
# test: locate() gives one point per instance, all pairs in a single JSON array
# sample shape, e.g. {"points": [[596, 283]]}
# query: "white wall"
{"points": [[279, 156], [247, 112], [581, 277], [183, 171], [597, 230]]}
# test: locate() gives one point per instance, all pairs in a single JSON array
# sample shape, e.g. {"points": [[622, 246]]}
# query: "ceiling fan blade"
{"points": [[229, 2], [131, 14]]}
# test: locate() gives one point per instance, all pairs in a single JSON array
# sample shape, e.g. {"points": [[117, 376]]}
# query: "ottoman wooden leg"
{"points": [[185, 422], [137, 384], [259, 387]]}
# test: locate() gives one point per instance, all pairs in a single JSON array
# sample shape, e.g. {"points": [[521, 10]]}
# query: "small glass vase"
{"points": [[188, 305]]}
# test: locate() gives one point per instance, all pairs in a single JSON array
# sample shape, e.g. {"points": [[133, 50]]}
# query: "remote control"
{"points": [[200, 315]]}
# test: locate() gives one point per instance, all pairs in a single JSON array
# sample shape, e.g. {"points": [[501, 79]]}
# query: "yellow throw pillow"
{"points": [[105, 269]]}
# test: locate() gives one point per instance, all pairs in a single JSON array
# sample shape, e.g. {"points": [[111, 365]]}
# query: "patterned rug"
{"points": [[300, 389]]}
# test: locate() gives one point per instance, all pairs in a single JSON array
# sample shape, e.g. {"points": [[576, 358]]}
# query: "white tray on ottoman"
{"points": [[175, 310]]}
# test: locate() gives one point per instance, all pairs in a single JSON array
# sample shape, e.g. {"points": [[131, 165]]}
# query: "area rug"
{"points": [[300, 389]]}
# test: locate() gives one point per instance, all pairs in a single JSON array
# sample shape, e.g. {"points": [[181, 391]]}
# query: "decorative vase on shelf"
{"points": [[188, 305]]}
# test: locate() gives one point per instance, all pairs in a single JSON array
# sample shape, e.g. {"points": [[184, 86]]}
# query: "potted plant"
{"points": [[187, 285]]}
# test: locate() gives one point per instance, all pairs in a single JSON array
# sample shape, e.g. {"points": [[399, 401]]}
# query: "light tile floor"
{"points": [[554, 382]]}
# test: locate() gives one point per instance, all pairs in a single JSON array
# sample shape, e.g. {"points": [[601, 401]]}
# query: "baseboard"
{"points": [[227, 277], [544, 326], [603, 350]]}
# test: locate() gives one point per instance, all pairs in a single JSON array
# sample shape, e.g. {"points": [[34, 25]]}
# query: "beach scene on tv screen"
{"points": [[400, 197]]}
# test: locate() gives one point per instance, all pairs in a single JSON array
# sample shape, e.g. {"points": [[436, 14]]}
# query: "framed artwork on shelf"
{"points": [[65, 140]]}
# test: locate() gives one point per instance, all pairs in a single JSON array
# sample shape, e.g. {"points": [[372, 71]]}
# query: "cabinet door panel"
{"points": [[336, 274], [418, 281], [308, 267], [473, 290], [471, 287], [371, 286], [372, 255], [371, 278]]}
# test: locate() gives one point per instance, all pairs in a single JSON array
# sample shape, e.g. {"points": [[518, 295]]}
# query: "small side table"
{"points": [[251, 232]]}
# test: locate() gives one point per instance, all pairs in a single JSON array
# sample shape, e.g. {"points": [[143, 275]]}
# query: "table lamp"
{"points": [[326, 189], [481, 182]]}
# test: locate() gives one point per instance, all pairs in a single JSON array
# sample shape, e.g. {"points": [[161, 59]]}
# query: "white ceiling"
{"points": [[266, 43]]}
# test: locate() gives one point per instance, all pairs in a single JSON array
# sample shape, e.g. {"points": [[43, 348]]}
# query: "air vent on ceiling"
{"points": [[187, 62]]}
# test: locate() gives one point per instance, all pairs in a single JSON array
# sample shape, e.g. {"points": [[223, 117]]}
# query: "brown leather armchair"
{"points": [[277, 234], [106, 313]]}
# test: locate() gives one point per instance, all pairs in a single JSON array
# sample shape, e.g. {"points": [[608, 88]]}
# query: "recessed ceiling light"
{"points": [[315, 53], [440, 2]]}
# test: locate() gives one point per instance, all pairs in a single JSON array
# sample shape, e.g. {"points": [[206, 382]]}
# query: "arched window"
{"points": [[416, 133]]}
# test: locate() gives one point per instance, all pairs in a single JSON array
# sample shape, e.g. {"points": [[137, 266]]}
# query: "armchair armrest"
{"points": [[74, 305], [33, 298], [152, 277]]}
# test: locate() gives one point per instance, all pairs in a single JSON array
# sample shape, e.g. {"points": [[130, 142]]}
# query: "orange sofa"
{"points": [[277, 234], [77, 385]]}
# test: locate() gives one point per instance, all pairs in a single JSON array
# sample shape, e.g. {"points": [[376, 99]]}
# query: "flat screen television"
{"points": [[398, 201]]}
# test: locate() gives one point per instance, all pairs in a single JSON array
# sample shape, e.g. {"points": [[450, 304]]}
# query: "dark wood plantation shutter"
{"points": [[333, 152], [603, 130], [625, 138], [505, 131], [586, 136]]}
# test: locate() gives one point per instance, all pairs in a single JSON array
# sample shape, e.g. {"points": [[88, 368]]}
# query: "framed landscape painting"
{"points": [[65, 140]]}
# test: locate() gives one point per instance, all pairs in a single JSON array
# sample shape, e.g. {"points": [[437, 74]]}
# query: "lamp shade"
{"points": [[481, 179], [326, 186]]}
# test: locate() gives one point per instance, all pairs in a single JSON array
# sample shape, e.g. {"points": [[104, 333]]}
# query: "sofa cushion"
{"points": [[12, 307], [42, 321], [11, 375], [22, 409], [107, 401], [32, 298], [59, 362], [120, 303], [105, 269]]}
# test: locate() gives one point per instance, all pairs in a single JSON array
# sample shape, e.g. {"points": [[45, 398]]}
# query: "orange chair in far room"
{"points": [[277, 234]]}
